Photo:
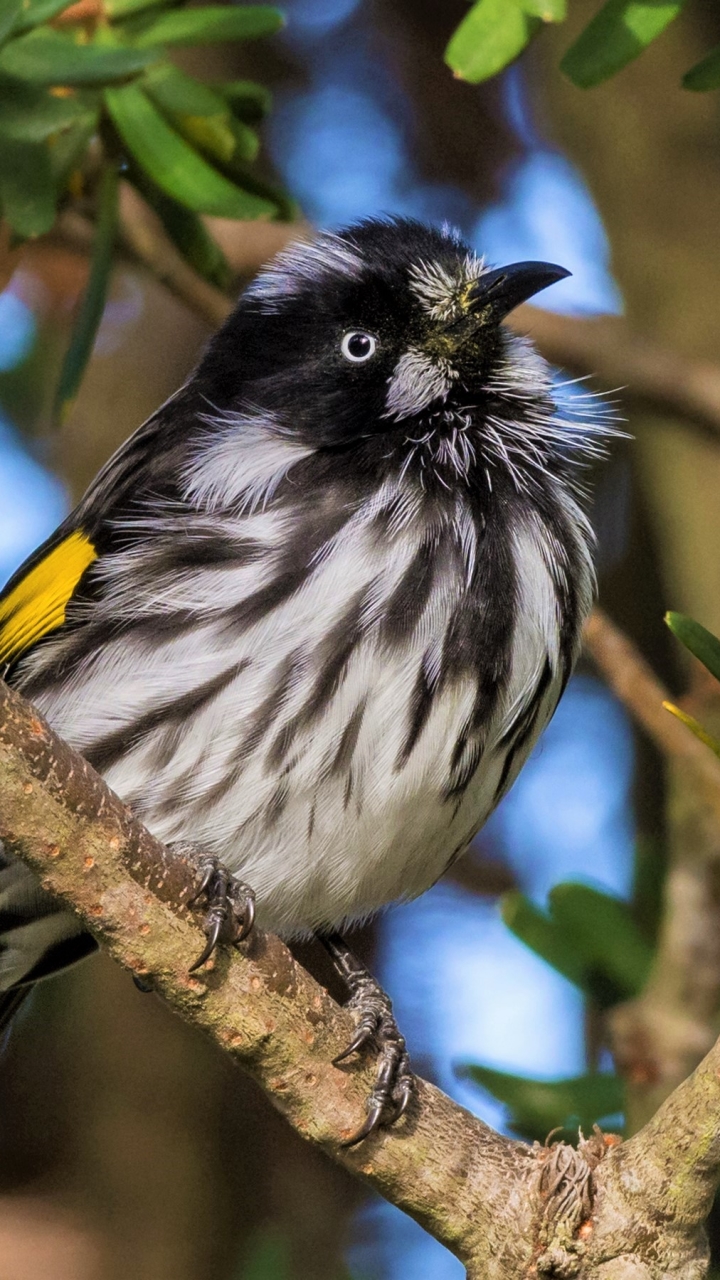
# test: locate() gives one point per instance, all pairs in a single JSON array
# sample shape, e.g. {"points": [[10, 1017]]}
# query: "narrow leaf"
{"points": [[174, 91], [31, 114], [187, 232], [247, 100], [10, 11], [119, 9], [49, 57], [539, 1106], [704, 75], [67, 150], [172, 164], [490, 37], [207, 24], [701, 642], [614, 37], [36, 11], [548, 10], [694, 727], [93, 303], [541, 935], [615, 956], [28, 194]]}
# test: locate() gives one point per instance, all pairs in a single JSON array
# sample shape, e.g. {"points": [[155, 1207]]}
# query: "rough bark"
{"points": [[604, 1212]]}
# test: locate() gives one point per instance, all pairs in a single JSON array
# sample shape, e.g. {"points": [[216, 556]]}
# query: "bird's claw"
{"points": [[394, 1081], [230, 907]]}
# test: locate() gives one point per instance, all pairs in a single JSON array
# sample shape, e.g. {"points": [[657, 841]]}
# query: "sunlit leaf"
{"points": [[704, 75], [119, 9], [694, 726], [188, 233], [172, 164], [539, 1106], [548, 10], [31, 114], [93, 302], [207, 24], [247, 100], [616, 35], [10, 11], [28, 193], [49, 57], [490, 37], [701, 642]]}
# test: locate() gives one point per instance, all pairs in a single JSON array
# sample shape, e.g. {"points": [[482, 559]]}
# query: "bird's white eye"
{"points": [[358, 346]]}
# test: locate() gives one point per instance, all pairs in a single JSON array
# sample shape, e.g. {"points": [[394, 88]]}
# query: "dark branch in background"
{"points": [[502, 1207]]}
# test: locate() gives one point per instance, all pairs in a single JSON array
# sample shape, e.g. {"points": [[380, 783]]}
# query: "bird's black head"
{"points": [[390, 330]]}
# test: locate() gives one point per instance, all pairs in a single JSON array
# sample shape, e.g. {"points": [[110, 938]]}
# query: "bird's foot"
{"points": [[376, 1027], [230, 912]]}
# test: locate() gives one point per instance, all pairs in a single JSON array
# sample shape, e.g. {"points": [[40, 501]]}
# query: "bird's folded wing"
{"points": [[35, 599]]}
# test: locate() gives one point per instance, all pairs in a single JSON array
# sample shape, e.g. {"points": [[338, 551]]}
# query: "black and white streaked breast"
{"points": [[326, 663]]}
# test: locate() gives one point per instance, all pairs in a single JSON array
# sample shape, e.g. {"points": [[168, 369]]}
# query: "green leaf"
{"points": [[616, 35], [701, 642], [611, 948], [172, 164], [587, 936], [174, 91], [10, 11], [36, 11], [539, 1106], [548, 10], [248, 101], [207, 24], [491, 36], [694, 726], [28, 194], [67, 150], [48, 57], [93, 303], [187, 232], [31, 114], [541, 934], [119, 9], [705, 74]]}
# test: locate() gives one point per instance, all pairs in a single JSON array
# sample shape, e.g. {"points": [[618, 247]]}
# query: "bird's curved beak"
{"points": [[496, 293]]}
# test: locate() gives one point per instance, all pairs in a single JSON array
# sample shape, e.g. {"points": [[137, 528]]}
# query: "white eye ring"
{"points": [[358, 346]]}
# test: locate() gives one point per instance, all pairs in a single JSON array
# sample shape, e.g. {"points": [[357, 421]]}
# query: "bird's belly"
{"points": [[325, 819]]}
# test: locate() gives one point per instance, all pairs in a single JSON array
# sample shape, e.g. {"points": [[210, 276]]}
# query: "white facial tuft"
{"points": [[440, 290], [301, 264], [415, 383], [242, 463]]}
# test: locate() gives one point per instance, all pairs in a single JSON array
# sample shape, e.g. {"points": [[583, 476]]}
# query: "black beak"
{"points": [[502, 290]]}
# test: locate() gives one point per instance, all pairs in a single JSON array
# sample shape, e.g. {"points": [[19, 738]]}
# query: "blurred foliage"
{"points": [[704, 646], [495, 32], [88, 91], [540, 1107], [592, 939]]}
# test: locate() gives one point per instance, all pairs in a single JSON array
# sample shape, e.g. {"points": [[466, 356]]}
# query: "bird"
{"points": [[310, 619]]}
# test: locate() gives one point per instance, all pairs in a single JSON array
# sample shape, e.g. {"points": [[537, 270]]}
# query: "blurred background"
{"points": [[128, 1145]]}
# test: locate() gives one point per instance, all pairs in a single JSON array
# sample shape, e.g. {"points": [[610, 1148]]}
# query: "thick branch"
{"points": [[461, 1180]]}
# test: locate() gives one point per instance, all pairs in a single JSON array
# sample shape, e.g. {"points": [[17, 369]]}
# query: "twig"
{"points": [[507, 1210]]}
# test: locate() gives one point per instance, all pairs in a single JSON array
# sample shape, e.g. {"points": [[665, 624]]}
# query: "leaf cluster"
{"points": [[495, 32], [89, 91]]}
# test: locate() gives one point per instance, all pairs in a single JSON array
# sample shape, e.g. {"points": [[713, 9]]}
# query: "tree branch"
{"points": [[507, 1210]]}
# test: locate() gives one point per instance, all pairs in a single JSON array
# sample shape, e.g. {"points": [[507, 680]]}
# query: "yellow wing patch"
{"points": [[37, 604]]}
